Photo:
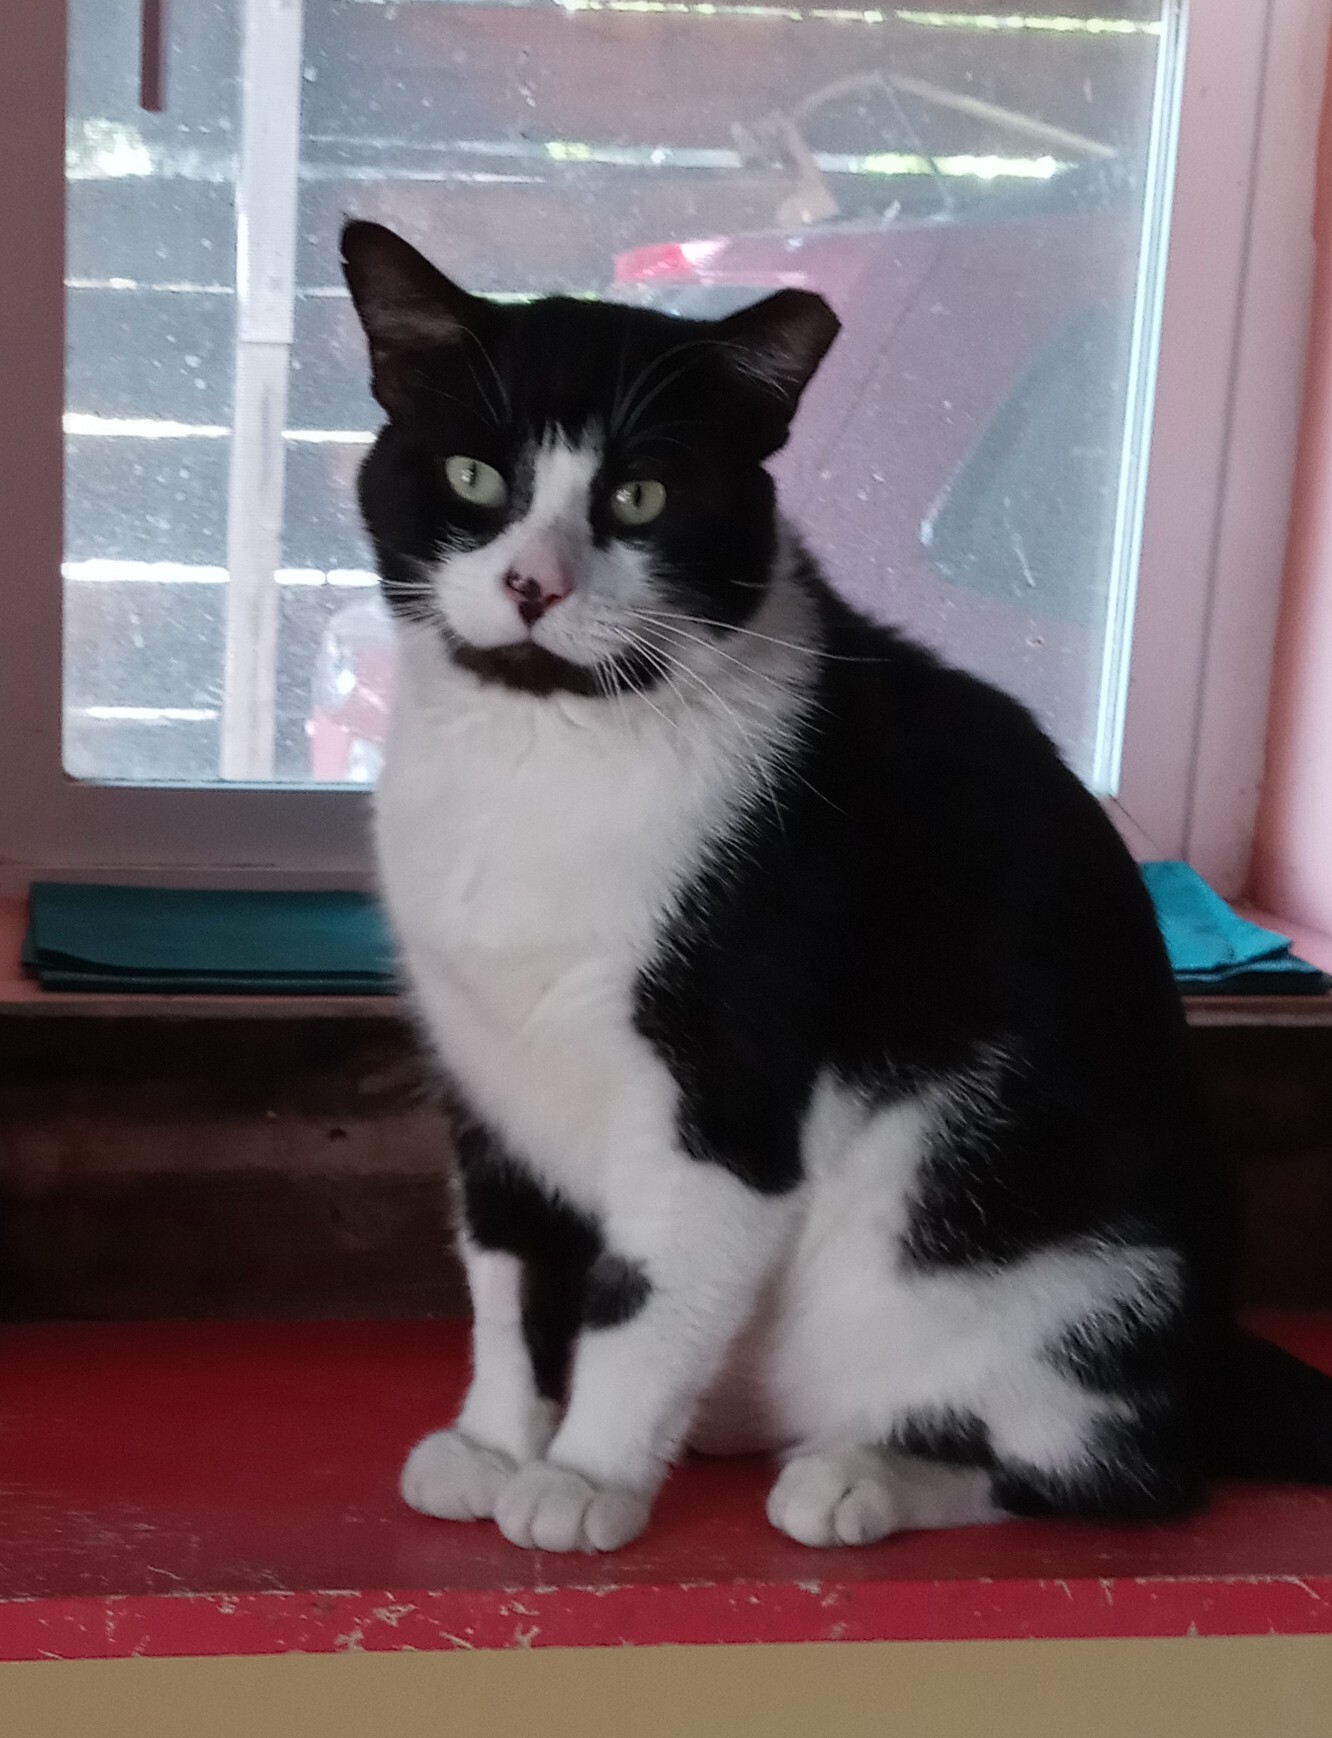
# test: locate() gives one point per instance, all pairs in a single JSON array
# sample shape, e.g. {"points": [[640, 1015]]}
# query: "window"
{"points": [[984, 196], [979, 196]]}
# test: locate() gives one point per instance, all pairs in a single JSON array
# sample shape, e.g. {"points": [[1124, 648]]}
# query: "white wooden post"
{"points": [[267, 189]]}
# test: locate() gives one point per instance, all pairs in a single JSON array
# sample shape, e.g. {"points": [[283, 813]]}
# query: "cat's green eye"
{"points": [[638, 503], [475, 481]]}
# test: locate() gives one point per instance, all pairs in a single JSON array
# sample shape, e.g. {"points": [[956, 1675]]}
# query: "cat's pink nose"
{"points": [[537, 585]]}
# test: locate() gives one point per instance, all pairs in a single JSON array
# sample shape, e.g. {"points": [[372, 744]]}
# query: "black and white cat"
{"points": [[822, 1080]]}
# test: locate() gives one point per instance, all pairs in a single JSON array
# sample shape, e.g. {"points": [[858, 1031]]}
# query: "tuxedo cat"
{"points": [[820, 1080]]}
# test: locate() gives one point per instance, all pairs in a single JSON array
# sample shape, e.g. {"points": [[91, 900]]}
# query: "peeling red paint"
{"points": [[269, 1623]]}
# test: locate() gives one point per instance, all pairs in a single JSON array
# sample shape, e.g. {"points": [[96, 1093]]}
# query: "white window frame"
{"points": [[1224, 430]]}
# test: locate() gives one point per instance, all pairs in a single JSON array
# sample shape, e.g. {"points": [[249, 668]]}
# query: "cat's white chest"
{"points": [[530, 852]]}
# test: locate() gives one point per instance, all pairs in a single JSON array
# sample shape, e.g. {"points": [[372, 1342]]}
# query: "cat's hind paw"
{"points": [[550, 1508], [855, 1496], [839, 1498], [450, 1476]]}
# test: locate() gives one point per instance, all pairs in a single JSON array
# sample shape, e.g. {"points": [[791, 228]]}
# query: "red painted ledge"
{"points": [[228, 1488]]}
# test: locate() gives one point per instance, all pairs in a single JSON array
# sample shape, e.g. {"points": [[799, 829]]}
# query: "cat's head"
{"points": [[564, 488]]}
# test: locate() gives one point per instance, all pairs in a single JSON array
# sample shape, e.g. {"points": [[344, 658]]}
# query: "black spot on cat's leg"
{"points": [[552, 1315], [951, 1438], [506, 1209], [616, 1291]]}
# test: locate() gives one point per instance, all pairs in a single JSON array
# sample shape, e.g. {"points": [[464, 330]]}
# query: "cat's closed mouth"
{"points": [[533, 669], [522, 664]]}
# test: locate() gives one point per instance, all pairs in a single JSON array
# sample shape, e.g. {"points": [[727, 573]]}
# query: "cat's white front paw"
{"points": [[550, 1508], [454, 1478]]}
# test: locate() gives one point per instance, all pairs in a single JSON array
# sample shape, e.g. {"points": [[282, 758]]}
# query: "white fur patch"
{"points": [[530, 852], [852, 1341], [503, 1410]]}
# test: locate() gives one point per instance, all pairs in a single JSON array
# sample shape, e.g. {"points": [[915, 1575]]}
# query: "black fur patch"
{"points": [[616, 1291], [952, 1438], [506, 1209], [570, 1280], [908, 909], [533, 670], [1115, 1352]]}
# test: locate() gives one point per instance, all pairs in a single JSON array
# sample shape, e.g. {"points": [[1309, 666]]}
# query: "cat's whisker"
{"points": [[754, 634], [782, 688], [783, 760], [623, 400], [623, 424], [486, 357], [614, 639], [760, 753], [428, 389], [661, 664], [415, 609]]}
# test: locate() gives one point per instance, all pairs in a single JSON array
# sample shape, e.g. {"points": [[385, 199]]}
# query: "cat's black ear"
{"points": [[779, 342], [405, 304]]}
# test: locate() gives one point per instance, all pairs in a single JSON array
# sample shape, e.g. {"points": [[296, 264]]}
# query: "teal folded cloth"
{"points": [[1213, 949], [176, 940], [154, 939]]}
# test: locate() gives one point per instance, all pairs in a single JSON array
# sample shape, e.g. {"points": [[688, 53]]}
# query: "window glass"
{"points": [[978, 194]]}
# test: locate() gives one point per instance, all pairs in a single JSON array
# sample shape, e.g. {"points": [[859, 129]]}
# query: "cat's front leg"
{"points": [[526, 1259], [458, 1473], [685, 1254]]}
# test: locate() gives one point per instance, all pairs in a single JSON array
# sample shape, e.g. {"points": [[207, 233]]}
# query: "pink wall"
{"points": [[1292, 862]]}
